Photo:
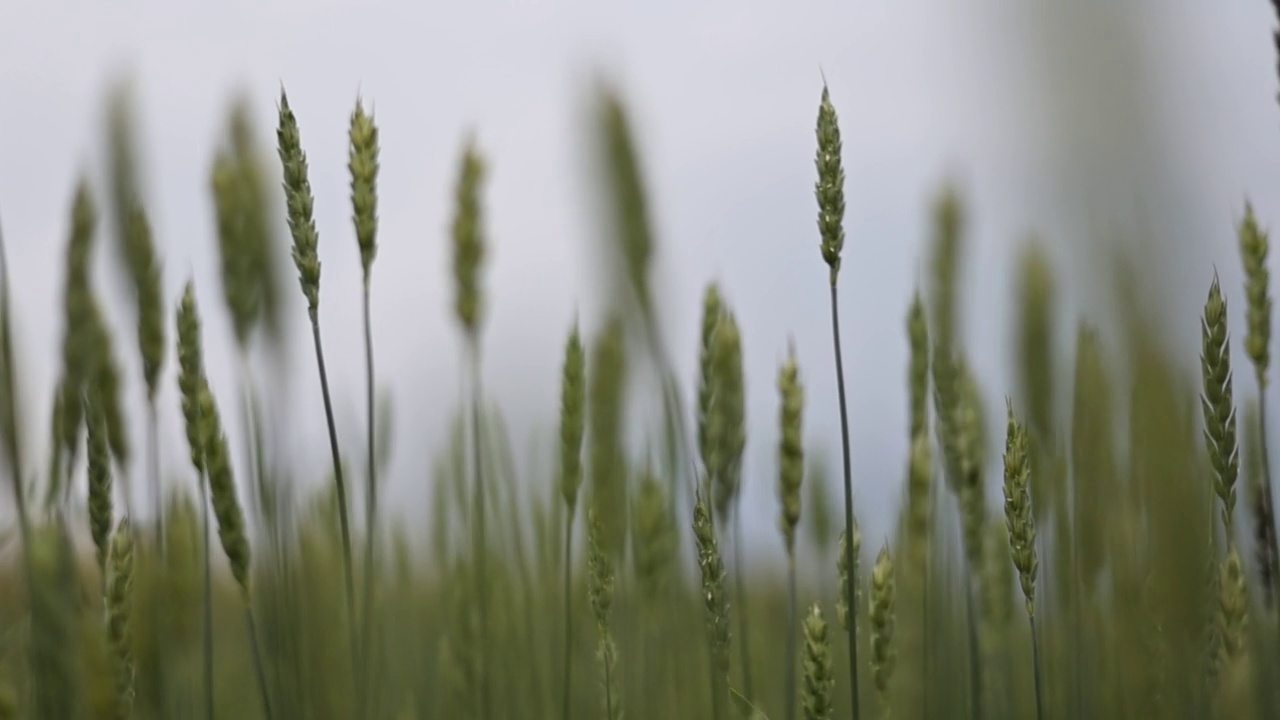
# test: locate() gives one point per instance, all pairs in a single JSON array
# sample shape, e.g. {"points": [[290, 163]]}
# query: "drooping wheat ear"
{"points": [[133, 237], [830, 185], [104, 381], [918, 374], [626, 197], [606, 390], [573, 400], [1036, 331], [222, 489], [819, 678], [790, 447], [728, 408], [469, 240], [78, 325], [884, 656], [244, 222], [1219, 410], [119, 608], [715, 603], [99, 455], [1233, 607], [297, 190], [600, 592], [790, 478], [1017, 509], [848, 577], [712, 312], [363, 165], [191, 374]]}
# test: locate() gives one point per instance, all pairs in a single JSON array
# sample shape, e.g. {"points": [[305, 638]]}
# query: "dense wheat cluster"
{"points": [[1111, 556]]}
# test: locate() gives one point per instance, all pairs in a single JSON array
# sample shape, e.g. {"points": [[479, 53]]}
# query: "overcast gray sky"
{"points": [[1159, 115]]}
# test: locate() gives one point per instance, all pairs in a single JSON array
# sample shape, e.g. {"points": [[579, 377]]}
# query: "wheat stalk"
{"points": [[572, 426], [790, 478], [297, 189], [829, 190]]}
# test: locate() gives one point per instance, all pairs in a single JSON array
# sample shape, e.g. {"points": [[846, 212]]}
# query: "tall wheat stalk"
{"points": [[468, 257], [302, 225], [363, 166], [830, 193]]}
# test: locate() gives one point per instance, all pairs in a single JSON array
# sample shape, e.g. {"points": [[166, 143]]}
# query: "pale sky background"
{"points": [[1145, 117]]}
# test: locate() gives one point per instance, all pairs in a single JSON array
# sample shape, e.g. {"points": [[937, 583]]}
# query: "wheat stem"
{"points": [[259, 671], [568, 611], [482, 600], [790, 685], [848, 499]]}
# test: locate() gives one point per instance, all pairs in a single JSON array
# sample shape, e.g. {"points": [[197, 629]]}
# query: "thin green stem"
{"points": [[792, 621], [1035, 657], [371, 501], [568, 611], [153, 458], [482, 598], [975, 659], [257, 660], [206, 542], [848, 503], [608, 689], [341, 487], [1272, 551], [744, 648]]}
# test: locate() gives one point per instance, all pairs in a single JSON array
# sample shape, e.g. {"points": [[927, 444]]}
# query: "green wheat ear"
{"points": [[119, 609], [790, 447], [1017, 508], [606, 395], [819, 679], [78, 318], [627, 196], [363, 166], [297, 190], [133, 237], [1216, 402], [842, 565], [654, 541], [469, 240], [715, 600], [222, 490], [573, 401], [99, 456], [191, 374], [1254, 246], [728, 422], [883, 654], [1233, 607], [712, 313], [830, 185], [1036, 332]]}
